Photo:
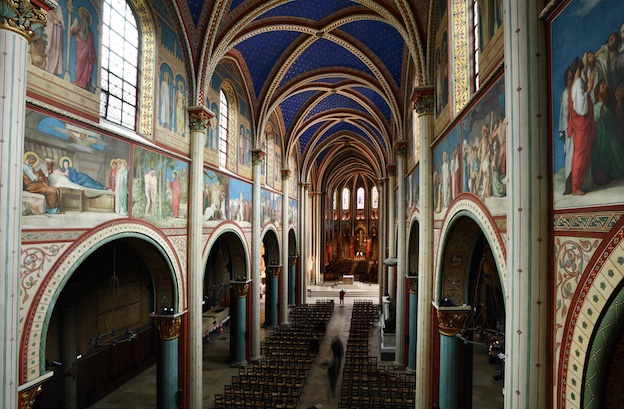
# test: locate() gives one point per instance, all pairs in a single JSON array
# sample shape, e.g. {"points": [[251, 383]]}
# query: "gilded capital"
{"points": [[274, 270], [451, 319], [199, 118], [257, 156], [29, 396], [24, 17], [423, 98], [240, 288], [392, 170], [286, 174], [400, 147], [412, 280], [168, 327]]}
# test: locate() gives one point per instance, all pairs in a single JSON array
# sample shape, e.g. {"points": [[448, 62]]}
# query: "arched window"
{"points": [[335, 205], [360, 198], [224, 116], [120, 52], [374, 198], [345, 198]]}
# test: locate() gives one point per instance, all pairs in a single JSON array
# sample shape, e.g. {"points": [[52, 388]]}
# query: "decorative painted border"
{"points": [[33, 327], [596, 222], [595, 288]]}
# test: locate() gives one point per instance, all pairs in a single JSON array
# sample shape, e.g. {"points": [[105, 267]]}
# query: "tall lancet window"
{"points": [[374, 198], [223, 129], [346, 193], [360, 198]]}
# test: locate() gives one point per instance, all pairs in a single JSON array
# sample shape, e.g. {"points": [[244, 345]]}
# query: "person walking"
{"points": [[342, 294]]}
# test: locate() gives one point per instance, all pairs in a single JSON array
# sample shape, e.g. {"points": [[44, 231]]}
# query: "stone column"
{"points": [[292, 280], [305, 243], [381, 236], [238, 324], [423, 104], [168, 327], [68, 350], [413, 314], [272, 290], [257, 160], [401, 155], [199, 118], [528, 263], [450, 320], [16, 20], [391, 230], [316, 235], [283, 303]]}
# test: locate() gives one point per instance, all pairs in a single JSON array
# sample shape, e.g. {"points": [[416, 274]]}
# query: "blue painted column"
{"points": [[450, 320], [238, 326], [272, 291], [413, 314], [168, 327], [292, 280]]}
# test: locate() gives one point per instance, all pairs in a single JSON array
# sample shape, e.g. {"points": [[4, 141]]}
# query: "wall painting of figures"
{"points": [[159, 189], [446, 172], [64, 59], [270, 208], [240, 201], [483, 160], [293, 212], [587, 77], [73, 176], [413, 192], [216, 196]]}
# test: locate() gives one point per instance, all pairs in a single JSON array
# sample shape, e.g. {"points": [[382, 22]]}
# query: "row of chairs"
{"points": [[277, 381]]}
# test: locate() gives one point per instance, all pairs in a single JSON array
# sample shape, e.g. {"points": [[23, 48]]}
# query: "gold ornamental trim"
{"points": [[168, 328], [286, 174], [23, 17], [199, 118], [240, 288], [400, 147], [424, 101], [451, 319], [274, 270], [413, 283], [257, 156], [29, 396]]}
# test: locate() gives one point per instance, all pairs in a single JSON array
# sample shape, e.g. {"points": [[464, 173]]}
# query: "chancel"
{"points": [[214, 192]]}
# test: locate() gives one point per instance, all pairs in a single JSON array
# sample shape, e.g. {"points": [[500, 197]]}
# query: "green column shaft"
{"points": [[449, 379], [167, 374], [413, 314], [292, 284], [271, 301], [238, 328]]}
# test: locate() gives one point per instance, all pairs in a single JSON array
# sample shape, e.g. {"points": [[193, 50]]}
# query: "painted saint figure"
{"points": [[121, 188], [85, 49], [151, 188], [54, 39], [166, 110], [35, 181], [74, 176], [180, 101], [175, 193]]}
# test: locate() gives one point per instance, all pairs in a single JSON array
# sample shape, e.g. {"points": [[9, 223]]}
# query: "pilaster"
{"points": [[400, 148]]}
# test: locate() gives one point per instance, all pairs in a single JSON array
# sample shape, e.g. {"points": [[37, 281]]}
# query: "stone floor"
{"points": [[140, 392]]}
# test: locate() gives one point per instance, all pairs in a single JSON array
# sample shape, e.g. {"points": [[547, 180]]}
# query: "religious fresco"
{"points": [[293, 212], [72, 176], [159, 189], [587, 77], [240, 201], [64, 57], [244, 147], [216, 196], [172, 106], [270, 207], [412, 187], [446, 171]]}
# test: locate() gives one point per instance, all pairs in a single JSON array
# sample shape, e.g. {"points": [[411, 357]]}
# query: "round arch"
{"points": [[218, 233], [472, 218], [167, 278], [413, 243], [270, 233]]}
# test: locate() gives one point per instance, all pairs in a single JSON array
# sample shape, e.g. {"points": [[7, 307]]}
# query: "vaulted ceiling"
{"points": [[339, 73]]}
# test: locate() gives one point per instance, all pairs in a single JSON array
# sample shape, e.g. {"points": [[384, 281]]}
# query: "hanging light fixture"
{"points": [[113, 337]]}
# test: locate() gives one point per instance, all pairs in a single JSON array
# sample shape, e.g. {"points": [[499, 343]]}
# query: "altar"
{"points": [[347, 279]]}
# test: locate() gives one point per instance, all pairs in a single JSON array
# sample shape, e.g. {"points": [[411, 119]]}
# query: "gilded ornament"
{"points": [[23, 18], [29, 396], [168, 328]]}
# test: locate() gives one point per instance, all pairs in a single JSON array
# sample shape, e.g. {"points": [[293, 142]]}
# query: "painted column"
{"points": [[68, 350], [399, 354], [381, 237], [305, 243], [283, 302], [413, 314], [257, 160], [272, 290], [168, 327], [450, 320], [528, 141], [15, 36], [316, 235], [240, 290], [391, 229], [292, 280], [199, 118], [423, 104]]}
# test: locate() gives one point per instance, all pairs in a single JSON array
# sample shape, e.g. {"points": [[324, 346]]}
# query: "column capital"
{"points": [[423, 99], [383, 180], [412, 279], [29, 396], [25, 17], [451, 319], [305, 185], [286, 174], [274, 270], [400, 147], [240, 288], [392, 170], [199, 118], [257, 156], [168, 326]]}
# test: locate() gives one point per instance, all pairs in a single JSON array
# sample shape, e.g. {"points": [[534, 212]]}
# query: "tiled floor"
{"points": [[140, 392]]}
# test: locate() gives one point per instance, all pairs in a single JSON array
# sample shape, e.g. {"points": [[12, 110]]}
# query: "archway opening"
{"points": [[270, 270]]}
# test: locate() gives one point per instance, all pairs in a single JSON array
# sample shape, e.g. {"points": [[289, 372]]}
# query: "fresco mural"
{"points": [[293, 212], [181, 114], [212, 139], [490, 19], [240, 201], [412, 192], [587, 80], [446, 171], [165, 97], [244, 147], [68, 171], [441, 60], [216, 196], [159, 189], [270, 207]]}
